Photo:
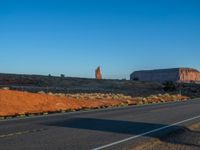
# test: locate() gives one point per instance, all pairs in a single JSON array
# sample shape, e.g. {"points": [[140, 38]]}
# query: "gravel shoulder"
{"points": [[182, 139]]}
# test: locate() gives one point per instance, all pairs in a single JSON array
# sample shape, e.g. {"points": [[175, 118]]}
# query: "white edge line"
{"points": [[146, 133]]}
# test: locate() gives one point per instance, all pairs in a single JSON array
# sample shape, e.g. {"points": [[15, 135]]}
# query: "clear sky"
{"points": [[74, 37]]}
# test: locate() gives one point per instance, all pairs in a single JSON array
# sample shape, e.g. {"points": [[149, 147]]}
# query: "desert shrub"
{"points": [[174, 97], [31, 115], [50, 93], [123, 104], [2, 118], [162, 100], [166, 95], [60, 94], [169, 86], [136, 79], [145, 101], [98, 96], [62, 76], [22, 115], [41, 92], [153, 97], [5, 88], [140, 102]]}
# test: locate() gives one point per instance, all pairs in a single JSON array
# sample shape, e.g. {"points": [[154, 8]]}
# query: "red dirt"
{"points": [[13, 103], [16, 103]]}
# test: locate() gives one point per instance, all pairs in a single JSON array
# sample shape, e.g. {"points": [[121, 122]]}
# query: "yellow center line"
{"points": [[21, 132]]}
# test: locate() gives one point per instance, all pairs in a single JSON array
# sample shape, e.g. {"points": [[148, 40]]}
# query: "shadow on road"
{"points": [[129, 128]]}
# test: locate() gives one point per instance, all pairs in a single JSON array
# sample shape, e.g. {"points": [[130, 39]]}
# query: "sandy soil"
{"points": [[14, 103]]}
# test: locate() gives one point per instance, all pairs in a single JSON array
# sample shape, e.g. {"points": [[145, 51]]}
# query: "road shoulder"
{"points": [[187, 138]]}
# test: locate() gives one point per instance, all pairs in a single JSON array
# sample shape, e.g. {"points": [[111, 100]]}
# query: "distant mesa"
{"points": [[98, 74], [163, 75]]}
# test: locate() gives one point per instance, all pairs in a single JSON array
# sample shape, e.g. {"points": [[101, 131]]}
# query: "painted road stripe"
{"points": [[21, 132], [146, 133]]}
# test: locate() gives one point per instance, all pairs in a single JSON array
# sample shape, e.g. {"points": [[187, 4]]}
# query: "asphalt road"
{"points": [[117, 128]]}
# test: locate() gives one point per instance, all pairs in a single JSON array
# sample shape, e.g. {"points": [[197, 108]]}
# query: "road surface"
{"points": [[117, 128]]}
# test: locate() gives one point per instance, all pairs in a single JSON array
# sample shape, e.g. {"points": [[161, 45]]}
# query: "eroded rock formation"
{"points": [[98, 74]]}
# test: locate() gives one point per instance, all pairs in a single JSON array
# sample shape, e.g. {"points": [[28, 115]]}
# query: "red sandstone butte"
{"points": [[98, 74], [189, 75]]}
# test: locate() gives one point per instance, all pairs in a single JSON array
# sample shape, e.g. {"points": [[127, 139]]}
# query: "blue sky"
{"points": [[74, 37]]}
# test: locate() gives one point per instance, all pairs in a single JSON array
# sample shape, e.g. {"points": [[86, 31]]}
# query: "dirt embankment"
{"points": [[13, 103]]}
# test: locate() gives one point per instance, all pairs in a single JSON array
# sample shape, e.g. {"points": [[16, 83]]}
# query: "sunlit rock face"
{"points": [[187, 75], [98, 74], [163, 75]]}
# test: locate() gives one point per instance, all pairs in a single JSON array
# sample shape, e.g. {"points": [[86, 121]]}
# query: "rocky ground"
{"points": [[36, 83], [182, 139]]}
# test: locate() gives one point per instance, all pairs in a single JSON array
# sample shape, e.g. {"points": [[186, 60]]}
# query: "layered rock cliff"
{"points": [[189, 75], [163, 75]]}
